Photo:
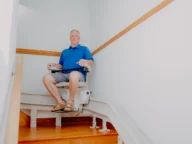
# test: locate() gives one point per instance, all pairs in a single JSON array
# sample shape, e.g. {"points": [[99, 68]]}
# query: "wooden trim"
{"points": [[37, 52], [134, 24], [11, 134]]}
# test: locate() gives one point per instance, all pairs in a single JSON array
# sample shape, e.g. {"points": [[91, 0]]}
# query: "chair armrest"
{"points": [[85, 68], [54, 69]]}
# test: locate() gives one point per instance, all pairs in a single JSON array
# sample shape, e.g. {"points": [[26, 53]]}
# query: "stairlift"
{"points": [[83, 94], [39, 106]]}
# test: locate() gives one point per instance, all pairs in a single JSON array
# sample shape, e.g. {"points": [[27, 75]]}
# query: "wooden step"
{"points": [[68, 134], [74, 130]]}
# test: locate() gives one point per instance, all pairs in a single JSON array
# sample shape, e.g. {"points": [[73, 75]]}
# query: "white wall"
{"points": [[109, 17], [148, 71], [46, 24], [8, 28]]}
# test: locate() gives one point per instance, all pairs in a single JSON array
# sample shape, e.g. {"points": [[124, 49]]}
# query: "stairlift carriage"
{"points": [[83, 94], [39, 106]]}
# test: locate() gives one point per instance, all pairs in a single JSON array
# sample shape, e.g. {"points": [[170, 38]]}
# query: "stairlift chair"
{"points": [[83, 94]]}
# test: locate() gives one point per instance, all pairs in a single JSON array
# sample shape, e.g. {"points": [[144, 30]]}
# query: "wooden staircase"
{"points": [[74, 130]]}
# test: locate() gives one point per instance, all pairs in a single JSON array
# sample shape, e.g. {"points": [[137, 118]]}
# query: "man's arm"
{"points": [[83, 62], [90, 62], [59, 66], [87, 59]]}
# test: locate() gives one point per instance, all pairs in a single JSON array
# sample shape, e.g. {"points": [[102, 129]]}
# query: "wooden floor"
{"points": [[70, 134]]}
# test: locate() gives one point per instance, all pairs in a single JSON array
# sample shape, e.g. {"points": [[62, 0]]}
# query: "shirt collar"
{"points": [[78, 46]]}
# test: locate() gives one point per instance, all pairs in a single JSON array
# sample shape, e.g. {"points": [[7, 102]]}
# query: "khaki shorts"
{"points": [[64, 77]]}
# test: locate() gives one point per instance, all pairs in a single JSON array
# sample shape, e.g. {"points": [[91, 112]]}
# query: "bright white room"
{"points": [[140, 81]]}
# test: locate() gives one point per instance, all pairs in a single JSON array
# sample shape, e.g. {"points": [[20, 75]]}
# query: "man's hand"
{"points": [[49, 66], [82, 62], [54, 65]]}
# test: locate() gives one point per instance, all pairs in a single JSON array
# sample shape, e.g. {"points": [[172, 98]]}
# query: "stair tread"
{"points": [[64, 132]]}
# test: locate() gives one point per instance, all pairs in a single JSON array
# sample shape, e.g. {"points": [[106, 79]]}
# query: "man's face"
{"points": [[74, 37]]}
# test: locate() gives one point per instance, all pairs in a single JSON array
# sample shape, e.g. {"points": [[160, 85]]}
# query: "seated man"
{"points": [[75, 56]]}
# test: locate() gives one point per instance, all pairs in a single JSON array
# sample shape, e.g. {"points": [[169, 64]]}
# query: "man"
{"points": [[75, 56]]}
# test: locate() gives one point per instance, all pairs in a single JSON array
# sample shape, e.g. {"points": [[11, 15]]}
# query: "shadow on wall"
{"points": [[38, 4], [34, 68], [3, 87], [91, 74]]}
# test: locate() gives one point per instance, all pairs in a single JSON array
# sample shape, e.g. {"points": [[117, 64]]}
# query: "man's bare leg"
{"points": [[73, 87], [73, 84], [49, 83]]}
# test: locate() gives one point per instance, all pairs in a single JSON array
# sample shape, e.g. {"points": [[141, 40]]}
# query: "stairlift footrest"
{"points": [[74, 112], [62, 111]]}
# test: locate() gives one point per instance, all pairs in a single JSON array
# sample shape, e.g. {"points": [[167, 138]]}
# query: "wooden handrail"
{"points": [[11, 135], [117, 36], [37, 52], [133, 25]]}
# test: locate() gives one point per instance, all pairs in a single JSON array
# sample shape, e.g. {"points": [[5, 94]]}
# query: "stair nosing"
{"points": [[70, 137]]}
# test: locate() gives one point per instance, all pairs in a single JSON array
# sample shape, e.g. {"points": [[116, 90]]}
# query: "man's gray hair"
{"points": [[74, 30]]}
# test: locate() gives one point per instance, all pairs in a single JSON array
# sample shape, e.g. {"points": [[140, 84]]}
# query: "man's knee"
{"points": [[48, 79], [74, 76]]}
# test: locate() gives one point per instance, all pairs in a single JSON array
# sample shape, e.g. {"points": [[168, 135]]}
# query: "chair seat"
{"points": [[66, 84]]}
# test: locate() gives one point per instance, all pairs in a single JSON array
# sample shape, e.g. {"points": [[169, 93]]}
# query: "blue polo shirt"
{"points": [[70, 57]]}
